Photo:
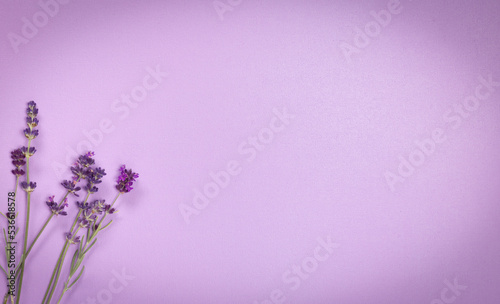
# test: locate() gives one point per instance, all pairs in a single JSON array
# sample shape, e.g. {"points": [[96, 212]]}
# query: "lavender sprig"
{"points": [[91, 215], [126, 180], [28, 186]]}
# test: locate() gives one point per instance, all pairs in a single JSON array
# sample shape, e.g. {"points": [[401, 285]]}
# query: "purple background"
{"points": [[321, 176]]}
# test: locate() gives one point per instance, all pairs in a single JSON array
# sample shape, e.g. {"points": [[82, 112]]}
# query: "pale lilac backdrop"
{"points": [[224, 68]]}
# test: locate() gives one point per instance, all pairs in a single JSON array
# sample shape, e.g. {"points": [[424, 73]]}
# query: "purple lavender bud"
{"points": [[28, 152], [18, 172], [71, 186], [86, 160], [69, 237], [32, 110], [98, 206], [93, 177], [126, 179], [78, 171], [32, 122], [17, 155], [92, 218], [52, 205], [92, 212], [30, 134], [18, 163], [91, 188], [82, 205], [83, 222], [55, 209], [109, 210], [28, 187], [99, 173]]}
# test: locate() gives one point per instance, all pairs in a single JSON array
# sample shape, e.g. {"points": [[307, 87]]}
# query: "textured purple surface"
{"points": [[358, 108]]}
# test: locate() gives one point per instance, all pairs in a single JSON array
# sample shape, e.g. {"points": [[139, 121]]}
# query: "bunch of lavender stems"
{"points": [[87, 217]]}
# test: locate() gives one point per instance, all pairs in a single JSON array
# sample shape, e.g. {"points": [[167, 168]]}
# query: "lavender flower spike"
{"points": [[31, 121], [126, 180], [108, 209], [83, 206], [94, 176]]}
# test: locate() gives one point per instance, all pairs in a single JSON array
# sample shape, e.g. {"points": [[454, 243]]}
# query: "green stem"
{"points": [[61, 264], [56, 268], [27, 222], [66, 284], [81, 254], [64, 290]]}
